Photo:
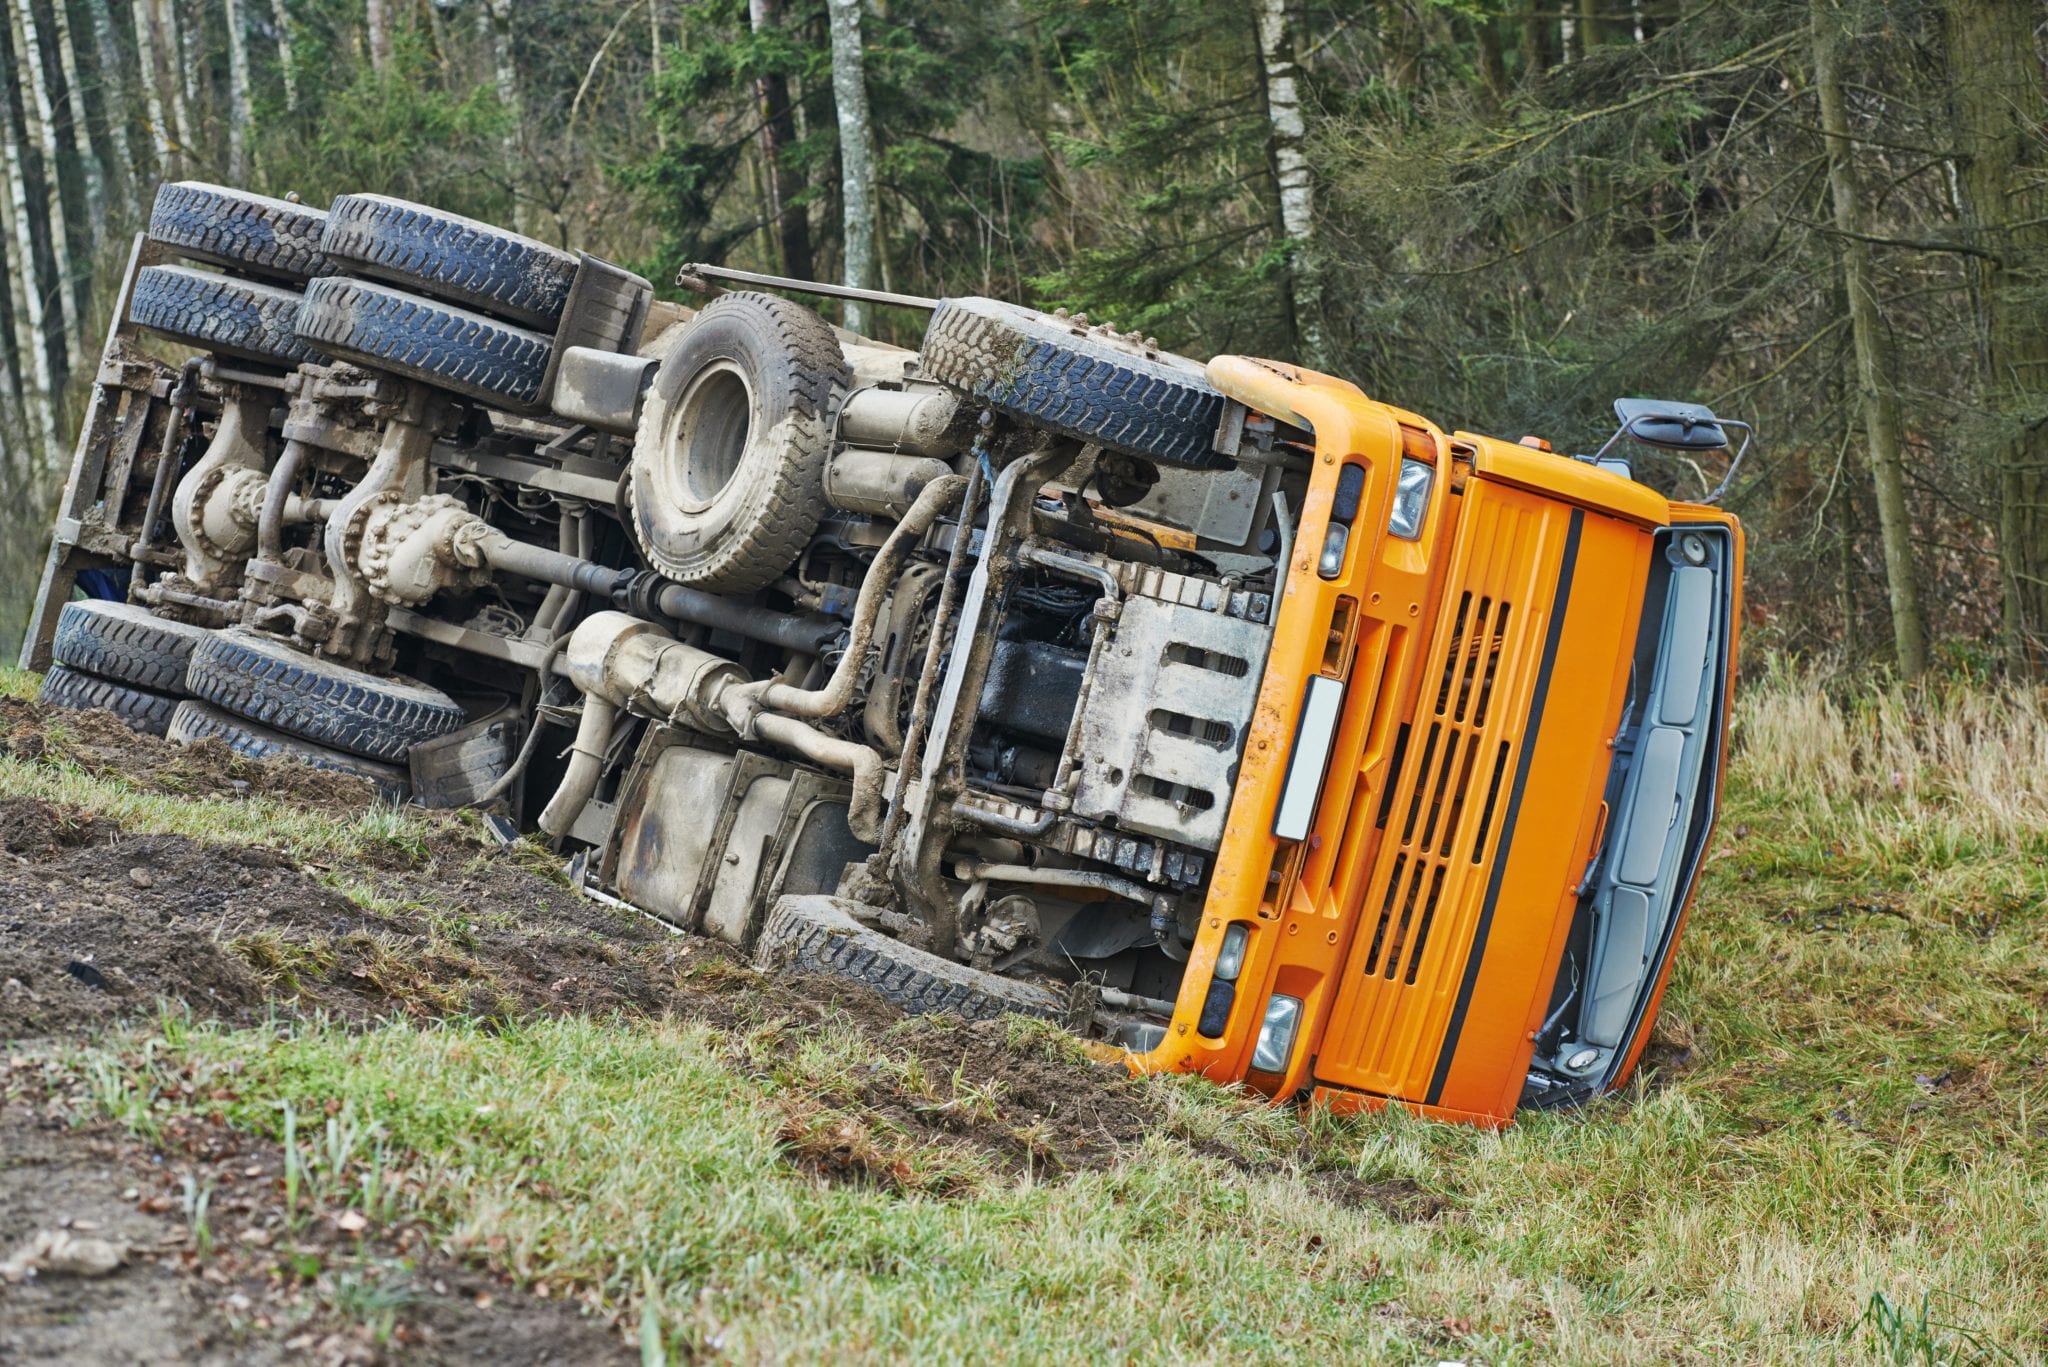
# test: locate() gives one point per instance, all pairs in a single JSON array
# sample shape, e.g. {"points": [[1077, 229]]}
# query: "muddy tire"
{"points": [[815, 935], [1032, 367], [727, 478], [196, 721], [126, 643], [450, 257], [140, 709], [239, 230], [454, 349], [221, 313], [260, 680]]}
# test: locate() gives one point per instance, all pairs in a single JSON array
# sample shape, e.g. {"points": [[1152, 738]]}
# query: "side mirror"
{"points": [[1673, 426], [1678, 427]]}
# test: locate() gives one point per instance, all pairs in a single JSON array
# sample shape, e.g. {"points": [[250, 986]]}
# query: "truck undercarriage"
{"points": [[1219, 712]]}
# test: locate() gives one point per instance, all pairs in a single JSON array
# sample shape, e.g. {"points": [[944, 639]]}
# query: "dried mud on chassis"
{"points": [[1035, 671]]}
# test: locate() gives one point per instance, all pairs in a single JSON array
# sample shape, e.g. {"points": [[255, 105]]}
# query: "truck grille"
{"points": [[1439, 808]]}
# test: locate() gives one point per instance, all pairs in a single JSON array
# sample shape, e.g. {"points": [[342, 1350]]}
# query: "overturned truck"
{"points": [[1228, 716]]}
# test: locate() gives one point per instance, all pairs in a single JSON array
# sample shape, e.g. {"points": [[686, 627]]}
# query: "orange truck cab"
{"points": [[1482, 772]]}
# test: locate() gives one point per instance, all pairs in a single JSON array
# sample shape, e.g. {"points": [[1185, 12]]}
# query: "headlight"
{"points": [[1411, 499], [1331, 563], [1276, 1035], [1230, 958]]}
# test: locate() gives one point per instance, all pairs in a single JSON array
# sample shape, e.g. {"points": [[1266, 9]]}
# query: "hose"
{"points": [[586, 766], [504, 783], [864, 762], [879, 582]]}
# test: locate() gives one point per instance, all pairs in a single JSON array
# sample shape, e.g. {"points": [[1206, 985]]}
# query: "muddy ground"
{"points": [[99, 926]]}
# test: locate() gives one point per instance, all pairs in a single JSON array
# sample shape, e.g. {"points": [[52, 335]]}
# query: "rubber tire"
{"points": [[815, 935], [221, 313], [330, 704], [193, 721], [149, 713], [450, 257], [1031, 367], [757, 524], [239, 230], [422, 339], [127, 643]]}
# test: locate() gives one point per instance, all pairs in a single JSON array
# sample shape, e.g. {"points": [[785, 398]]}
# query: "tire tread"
{"points": [[1090, 392], [318, 700], [450, 257], [811, 935], [144, 711]]}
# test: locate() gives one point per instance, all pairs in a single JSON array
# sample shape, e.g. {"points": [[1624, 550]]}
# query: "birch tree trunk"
{"points": [[10, 305], [778, 132], [177, 61], [856, 154], [654, 66], [81, 128], [495, 18], [121, 168], [1876, 396], [379, 23], [1286, 132], [1998, 93], [240, 116], [42, 126], [31, 324], [285, 68], [148, 47]]}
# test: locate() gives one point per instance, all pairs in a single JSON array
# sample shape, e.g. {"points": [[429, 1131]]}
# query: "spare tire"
{"points": [[330, 704], [125, 642], [222, 313], [386, 329], [727, 479], [450, 257], [1079, 382], [239, 230], [196, 721], [817, 935], [141, 709]]}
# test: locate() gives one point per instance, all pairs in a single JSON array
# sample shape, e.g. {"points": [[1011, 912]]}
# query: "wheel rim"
{"points": [[707, 437]]}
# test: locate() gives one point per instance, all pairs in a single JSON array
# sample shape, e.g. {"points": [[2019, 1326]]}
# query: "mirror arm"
{"points": [[1748, 435]]}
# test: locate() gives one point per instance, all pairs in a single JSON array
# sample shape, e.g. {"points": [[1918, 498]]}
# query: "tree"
{"points": [[241, 116], [81, 128], [1874, 387], [2000, 100], [42, 122], [113, 93], [149, 45], [31, 329], [287, 69], [378, 24], [1293, 184], [778, 133], [856, 154], [495, 22], [172, 52]]}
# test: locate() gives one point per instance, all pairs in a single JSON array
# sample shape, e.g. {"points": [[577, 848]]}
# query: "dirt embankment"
{"points": [[99, 925]]}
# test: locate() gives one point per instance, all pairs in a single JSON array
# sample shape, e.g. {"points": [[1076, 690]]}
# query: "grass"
{"points": [[19, 683], [303, 832], [1840, 1158]]}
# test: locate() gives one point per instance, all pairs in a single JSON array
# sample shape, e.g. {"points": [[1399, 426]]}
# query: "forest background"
{"points": [[1826, 216]]}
